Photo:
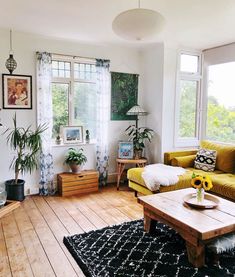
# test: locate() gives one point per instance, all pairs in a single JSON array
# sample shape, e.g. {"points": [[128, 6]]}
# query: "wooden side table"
{"points": [[121, 166]]}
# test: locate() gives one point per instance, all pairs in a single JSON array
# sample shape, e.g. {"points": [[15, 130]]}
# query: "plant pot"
{"points": [[76, 168], [138, 154], [15, 191]]}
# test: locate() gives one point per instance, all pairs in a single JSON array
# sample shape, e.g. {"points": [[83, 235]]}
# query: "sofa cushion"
{"points": [[205, 159], [224, 185], [139, 188], [186, 161], [185, 179], [225, 159], [135, 175]]}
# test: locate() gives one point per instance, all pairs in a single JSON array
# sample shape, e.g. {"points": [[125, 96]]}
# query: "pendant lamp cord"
{"points": [[11, 40]]}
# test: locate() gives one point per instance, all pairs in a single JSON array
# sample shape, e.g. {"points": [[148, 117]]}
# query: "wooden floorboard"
{"points": [[19, 262], [36, 254], [5, 269], [31, 237]]}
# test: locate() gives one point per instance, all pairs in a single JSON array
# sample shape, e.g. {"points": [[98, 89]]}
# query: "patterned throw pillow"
{"points": [[205, 159]]}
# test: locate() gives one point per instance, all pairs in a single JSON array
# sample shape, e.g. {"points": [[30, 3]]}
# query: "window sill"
{"points": [[72, 144]]}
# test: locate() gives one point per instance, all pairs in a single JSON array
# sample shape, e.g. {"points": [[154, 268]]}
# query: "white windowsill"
{"points": [[72, 144]]}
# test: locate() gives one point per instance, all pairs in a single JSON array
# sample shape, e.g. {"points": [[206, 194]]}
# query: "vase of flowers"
{"points": [[201, 183]]}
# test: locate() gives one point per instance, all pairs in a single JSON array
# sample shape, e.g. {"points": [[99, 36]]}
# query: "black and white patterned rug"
{"points": [[126, 250]]}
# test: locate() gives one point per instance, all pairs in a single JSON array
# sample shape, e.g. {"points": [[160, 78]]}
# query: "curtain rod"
{"points": [[231, 43], [74, 56]]}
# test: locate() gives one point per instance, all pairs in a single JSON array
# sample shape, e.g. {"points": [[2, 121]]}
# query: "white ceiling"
{"points": [[190, 23]]}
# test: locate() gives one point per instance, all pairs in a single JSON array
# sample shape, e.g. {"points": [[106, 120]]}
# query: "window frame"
{"points": [[188, 76], [71, 80], [205, 85]]}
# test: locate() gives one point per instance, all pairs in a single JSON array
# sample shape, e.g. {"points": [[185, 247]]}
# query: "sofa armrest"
{"points": [[168, 156]]}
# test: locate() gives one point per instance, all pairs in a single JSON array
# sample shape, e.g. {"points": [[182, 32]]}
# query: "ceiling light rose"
{"points": [[11, 64], [138, 24]]}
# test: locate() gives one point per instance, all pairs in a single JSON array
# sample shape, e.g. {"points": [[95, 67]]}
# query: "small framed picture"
{"points": [[17, 91], [125, 150], [72, 134]]}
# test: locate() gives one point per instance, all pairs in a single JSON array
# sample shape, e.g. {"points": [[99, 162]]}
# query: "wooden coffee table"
{"points": [[196, 227]]}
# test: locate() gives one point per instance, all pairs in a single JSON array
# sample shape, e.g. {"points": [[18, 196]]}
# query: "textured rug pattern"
{"points": [[126, 250]]}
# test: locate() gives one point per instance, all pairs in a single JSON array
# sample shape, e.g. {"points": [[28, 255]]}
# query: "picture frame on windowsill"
{"points": [[72, 134]]}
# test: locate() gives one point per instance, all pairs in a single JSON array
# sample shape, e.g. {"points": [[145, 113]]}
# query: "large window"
{"points": [[74, 93], [220, 123], [188, 100]]}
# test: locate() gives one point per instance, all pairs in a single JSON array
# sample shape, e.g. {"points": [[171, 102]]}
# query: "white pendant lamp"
{"points": [[138, 24]]}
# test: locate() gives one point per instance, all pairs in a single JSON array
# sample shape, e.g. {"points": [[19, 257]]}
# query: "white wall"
{"points": [[25, 45], [169, 92], [159, 64], [152, 59]]}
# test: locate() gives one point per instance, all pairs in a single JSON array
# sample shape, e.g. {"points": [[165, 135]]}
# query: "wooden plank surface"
{"points": [[9, 207], [204, 224], [56, 255], [19, 262], [5, 269], [31, 238], [35, 252], [80, 186]]}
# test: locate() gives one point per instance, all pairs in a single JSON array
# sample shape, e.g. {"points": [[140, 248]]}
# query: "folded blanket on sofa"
{"points": [[155, 175]]}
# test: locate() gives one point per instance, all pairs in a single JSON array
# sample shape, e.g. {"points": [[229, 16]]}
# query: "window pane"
{"points": [[85, 106], [61, 73], [84, 71], [61, 69], [55, 73], [221, 103], [67, 66], [54, 64], [189, 63], [61, 65], [67, 74], [188, 108], [60, 94]]}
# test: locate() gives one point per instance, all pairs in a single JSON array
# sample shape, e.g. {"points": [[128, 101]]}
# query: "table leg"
{"points": [[120, 169], [149, 224], [196, 254], [141, 165]]}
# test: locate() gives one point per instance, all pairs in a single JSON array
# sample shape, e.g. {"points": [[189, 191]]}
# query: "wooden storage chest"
{"points": [[77, 183]]}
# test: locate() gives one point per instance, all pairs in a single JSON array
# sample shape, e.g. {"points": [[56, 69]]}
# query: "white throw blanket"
{"points": [[155, 175]]}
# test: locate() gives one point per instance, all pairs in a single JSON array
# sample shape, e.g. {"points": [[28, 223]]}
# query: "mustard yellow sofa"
{"points": [[223, 177]]}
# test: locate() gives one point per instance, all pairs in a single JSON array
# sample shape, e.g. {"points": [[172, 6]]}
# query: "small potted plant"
{"points": [[139, 136], [27, 145], [75, 159], [87, 136]]}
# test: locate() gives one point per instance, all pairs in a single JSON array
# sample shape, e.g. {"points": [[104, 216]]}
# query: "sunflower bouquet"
{"points": [[201, 183]]}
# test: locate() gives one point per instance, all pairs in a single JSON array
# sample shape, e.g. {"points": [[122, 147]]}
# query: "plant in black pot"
{"points": [[75, 159], [27, 145], [139, 136]]}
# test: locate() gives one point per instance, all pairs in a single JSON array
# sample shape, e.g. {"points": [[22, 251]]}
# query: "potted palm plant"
{"points": [[139, 136], [75, 159], [26, 145]]}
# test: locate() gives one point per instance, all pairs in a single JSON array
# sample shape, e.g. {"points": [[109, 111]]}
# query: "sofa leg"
{"points": [[136, 193]]}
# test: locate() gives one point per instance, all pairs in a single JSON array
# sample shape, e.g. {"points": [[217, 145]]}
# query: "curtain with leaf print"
{"points": [[44, 116], [103, 113]]}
